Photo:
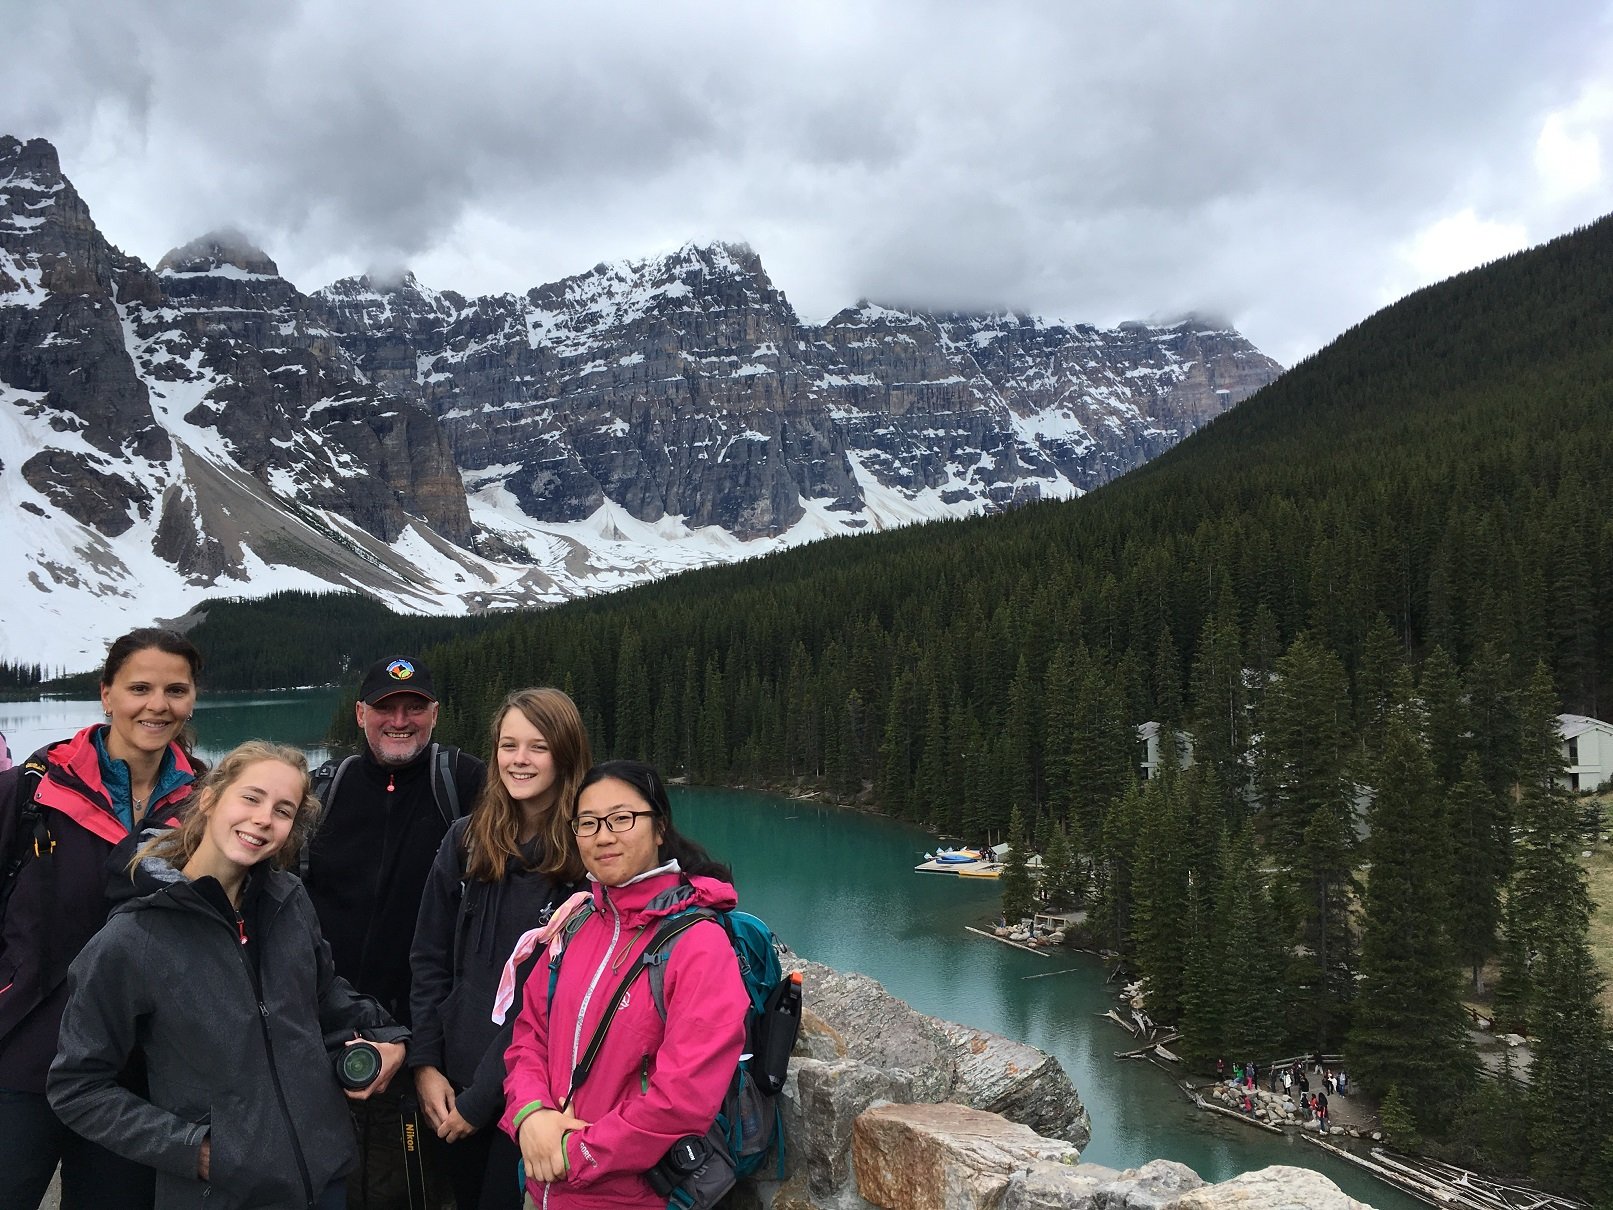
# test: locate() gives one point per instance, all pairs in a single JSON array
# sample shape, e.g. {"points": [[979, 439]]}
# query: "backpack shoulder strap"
{"points": [[324, 782], [668, 931], [656, 961], [32, 836], [444, 789]]}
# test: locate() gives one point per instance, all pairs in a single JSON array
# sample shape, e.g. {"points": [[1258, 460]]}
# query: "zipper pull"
{"points": [[391, 785], [240, 927]]}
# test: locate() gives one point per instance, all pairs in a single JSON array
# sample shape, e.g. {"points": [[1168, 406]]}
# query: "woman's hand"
{"points": [[542, 1139], [391, 1059], [454, 1128], [204, 1159], [436, 1096]]}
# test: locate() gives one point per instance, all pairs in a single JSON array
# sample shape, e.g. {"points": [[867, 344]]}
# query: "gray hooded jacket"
{"points": [[239, 1054]]}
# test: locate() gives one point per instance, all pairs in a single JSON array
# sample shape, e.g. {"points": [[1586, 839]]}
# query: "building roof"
{"points": [[1577, 724]]}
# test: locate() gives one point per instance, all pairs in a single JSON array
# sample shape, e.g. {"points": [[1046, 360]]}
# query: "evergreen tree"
{"points": [[1445, 716], [1218, 720], [1162, 868], [1325, 888], [1061, 885], [1249, 987], [1375, 692], [1201, 1022], [1549, 917], [1409, 1029], [1018, 895], [1303, 765], [633, 736], [1474, 911], [1547, 897], [1112, 871], [1102, 755]]}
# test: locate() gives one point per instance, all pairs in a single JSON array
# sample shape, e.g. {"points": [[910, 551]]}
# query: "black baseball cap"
{"points": [[396, 674]]}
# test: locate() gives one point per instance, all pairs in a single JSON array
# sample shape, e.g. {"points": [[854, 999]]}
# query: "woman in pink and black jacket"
{"points": [[653, 1082], [98, 788]]}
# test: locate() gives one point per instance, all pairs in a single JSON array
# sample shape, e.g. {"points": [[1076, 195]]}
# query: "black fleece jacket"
{"points": [[368, 863], [465, 933], [236, 1054]]}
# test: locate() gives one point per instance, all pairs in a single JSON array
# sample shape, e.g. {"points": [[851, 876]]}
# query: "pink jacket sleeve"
{"points": [[706, 1003], [526, 1062]]}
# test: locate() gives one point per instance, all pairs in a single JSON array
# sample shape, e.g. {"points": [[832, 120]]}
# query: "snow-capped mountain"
{"points": [[204, 428]]}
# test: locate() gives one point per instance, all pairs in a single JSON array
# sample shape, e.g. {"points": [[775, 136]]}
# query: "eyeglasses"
{"points": [[619, 821]]}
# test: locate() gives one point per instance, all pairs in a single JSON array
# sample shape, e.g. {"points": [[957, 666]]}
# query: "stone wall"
{"points": [[886, 1107]]}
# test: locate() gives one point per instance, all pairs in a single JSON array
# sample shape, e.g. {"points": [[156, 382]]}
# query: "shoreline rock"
{"points": [[888, 1108]]}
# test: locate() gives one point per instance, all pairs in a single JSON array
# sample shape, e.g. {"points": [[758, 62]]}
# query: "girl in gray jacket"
{"points": [[215, 972]]}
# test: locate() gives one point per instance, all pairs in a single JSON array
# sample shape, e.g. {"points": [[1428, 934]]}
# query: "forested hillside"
{"points": [[1368, 589], [1365, 593]]}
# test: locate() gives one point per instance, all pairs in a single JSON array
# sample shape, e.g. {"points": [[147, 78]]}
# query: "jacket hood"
{"points": [[76, 787], [156, 883]]}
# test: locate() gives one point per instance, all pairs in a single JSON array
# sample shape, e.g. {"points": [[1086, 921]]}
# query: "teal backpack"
{"points": [[697, 1172]]}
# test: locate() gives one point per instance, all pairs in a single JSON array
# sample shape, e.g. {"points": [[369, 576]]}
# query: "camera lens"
{"points": [[357, 1066]]}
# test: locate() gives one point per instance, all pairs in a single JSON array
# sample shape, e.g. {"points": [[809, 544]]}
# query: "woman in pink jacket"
{"points": [[652, 1082]]}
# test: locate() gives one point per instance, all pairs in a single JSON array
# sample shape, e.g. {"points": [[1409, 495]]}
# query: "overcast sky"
{"points": [[1287, 166]]}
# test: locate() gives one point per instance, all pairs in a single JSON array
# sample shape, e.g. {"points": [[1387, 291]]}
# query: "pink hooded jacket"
{"points": [[653, 1082]]}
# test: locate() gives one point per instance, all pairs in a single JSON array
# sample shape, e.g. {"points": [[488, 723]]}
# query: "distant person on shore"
{"points": [[88, 795], [213, 975], [386, 811], [500, 871]]}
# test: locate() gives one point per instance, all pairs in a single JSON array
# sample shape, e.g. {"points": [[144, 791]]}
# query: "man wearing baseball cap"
{"points": [[386, 811]]}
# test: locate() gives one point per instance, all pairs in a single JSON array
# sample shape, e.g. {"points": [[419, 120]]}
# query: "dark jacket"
{"points": [[368, 864], [236, 1050], [464, 934], [60, 897]]}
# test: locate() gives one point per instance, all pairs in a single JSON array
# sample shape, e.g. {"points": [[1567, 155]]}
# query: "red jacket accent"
{"points": [[653, 1082], [60, 898], [74, 788]]}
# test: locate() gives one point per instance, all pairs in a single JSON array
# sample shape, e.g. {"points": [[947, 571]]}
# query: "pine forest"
{"points": [[1357, 602]]}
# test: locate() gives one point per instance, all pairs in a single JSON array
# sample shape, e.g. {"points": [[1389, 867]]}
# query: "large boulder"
{"points": [[850, 1016], [1279, 1187], [943, 1157]]}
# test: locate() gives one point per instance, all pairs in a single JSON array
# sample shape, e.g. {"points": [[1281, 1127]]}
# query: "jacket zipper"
{"points": [[593, 984], [582, 1011], [274, 1070]]}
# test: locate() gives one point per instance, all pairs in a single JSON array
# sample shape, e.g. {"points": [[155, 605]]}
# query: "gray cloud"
{"points": [[1278, 164]]}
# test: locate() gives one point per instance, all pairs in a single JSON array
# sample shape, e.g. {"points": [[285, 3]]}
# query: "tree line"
{"points": [[1367, 590]]}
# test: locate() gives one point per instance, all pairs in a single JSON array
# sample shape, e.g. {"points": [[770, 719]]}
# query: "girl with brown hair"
{"points": [[501, 870]]}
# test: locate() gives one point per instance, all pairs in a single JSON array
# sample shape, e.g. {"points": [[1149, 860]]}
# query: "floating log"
{"points": [[1442, 1184], [1159, 1049], [1242, 1117], [1153, 1044], [1050, 974], [1383, 1174], [1120, 1021], [1029, 949]]}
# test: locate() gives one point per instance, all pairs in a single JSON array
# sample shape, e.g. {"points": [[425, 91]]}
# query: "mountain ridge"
{"points": [[205, 427]]}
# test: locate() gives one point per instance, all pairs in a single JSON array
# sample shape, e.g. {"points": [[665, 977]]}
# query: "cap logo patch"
{"points": [[400, 670]]}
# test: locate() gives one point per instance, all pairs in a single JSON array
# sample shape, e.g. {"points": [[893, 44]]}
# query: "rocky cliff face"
{"points": [[205, 426], [686, 386]]}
